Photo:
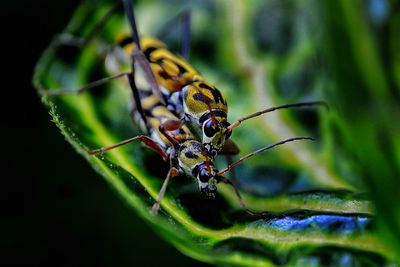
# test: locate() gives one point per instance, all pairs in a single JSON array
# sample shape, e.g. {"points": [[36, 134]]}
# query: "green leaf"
{"points": [[365, 123], [301, 228]]}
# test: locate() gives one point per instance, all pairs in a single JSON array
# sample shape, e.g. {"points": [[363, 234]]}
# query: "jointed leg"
{"points": [[186, 34], [146, 140], [164, 130], [76, 91], [184, 19], [71, 40], [137, 54], [139, 57], [172, 125], [171, 173], [136, 98]]}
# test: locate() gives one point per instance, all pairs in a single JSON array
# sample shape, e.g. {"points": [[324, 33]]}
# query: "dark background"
{"points": [[56, 209]]}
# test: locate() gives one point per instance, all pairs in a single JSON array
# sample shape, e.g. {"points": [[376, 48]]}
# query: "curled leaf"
{"points": [[333, 225]]}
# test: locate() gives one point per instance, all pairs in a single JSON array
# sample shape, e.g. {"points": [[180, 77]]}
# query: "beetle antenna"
{"points": [[229, 167], [132, 22], [212, 116], [296, 105]]}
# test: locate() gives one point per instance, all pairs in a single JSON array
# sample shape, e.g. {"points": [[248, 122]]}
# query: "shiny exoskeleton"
{"points": [[181, 148], [184, 150], [185, 91], [183, 96]]}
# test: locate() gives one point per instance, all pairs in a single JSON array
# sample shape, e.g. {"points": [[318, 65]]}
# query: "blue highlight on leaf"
{"points": [[328, 223]]}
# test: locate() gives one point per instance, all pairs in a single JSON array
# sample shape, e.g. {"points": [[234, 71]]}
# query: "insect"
{"points": [[168, 134], [181, 149], [177, 84], [185, 91]]}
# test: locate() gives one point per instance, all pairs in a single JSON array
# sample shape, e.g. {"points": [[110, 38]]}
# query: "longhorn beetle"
{"points": [[176, 86], [174, 81], [181, 148]]}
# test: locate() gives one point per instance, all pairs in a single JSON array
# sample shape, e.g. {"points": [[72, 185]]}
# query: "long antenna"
{"points": [[262, 150], [256, 114], [138, 55], [132, 22]]}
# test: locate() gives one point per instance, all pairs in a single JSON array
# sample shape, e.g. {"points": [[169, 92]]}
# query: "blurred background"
{"points": [[58, 210], [55, 209]]}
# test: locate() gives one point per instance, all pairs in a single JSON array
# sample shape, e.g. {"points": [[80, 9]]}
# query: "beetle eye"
{"points": [[204, 176], [209, 129]]}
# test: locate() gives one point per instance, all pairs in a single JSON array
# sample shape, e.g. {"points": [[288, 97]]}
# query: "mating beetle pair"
{"points": [[178, 95]]}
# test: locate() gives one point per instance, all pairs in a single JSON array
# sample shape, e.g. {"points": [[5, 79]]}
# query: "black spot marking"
{"points": [[149, 50], [164, 75], [182, 70], [218, 96], [125, 41], [202, 98], [214, 91], [205, 86], [191, 155]]}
